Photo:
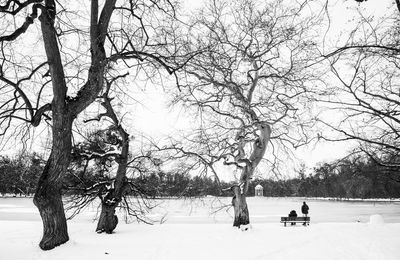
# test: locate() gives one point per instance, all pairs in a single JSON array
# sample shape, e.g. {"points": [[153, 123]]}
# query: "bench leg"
{"points": [[284, 223]]}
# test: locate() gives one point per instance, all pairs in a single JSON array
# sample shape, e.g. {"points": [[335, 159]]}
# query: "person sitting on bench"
{"points": [[293, 214]]}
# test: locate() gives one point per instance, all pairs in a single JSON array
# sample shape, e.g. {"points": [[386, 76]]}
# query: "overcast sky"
{"points": [[153, 117], [168, 121]]}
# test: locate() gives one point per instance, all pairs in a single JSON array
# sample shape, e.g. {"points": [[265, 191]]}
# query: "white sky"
{"points": [[154, 118], [341, 14]]}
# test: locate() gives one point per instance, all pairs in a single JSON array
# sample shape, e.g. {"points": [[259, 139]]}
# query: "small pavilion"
{"points": [[259, 191]]}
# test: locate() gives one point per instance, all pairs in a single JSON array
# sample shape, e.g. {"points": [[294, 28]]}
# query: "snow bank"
{"points": [[376, 219]]}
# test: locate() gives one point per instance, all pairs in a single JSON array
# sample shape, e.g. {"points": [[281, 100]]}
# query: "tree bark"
{"points": [[48, 194], [47, 197], [48, 200], [109, 202], [240, 208], [239, 203], [108, 220]]}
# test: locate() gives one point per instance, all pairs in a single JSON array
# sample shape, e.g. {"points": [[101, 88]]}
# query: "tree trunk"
{"points": [[108, 220], [48, 200], [109, 201], [240, 208], [64, 109], [239, 199], [47, 197]]}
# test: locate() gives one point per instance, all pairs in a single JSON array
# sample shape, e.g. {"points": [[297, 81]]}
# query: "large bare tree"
{"points": [[54, 55], [252, 86]]}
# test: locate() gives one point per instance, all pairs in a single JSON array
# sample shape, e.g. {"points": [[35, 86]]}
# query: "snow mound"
{"points": [[376, 219], [245, 227]]}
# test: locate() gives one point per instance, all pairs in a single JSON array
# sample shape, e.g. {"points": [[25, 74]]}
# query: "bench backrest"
{"points": [[295, 218]]}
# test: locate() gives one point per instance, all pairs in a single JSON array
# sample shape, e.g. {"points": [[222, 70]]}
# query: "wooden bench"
{"points": [[295, 220]]}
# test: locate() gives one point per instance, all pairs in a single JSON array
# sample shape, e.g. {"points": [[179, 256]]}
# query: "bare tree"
{"points": [[61, 82], [252, 86], [114, 190], [108, 146]]}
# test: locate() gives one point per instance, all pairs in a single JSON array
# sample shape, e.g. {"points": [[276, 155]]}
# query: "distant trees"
{"points": [[179, 185], [19, 175], [353, 177], [397, 3]]}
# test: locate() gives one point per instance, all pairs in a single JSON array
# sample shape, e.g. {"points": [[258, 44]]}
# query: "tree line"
{"points": [[347, 178], [20, 175], [353, 177]]}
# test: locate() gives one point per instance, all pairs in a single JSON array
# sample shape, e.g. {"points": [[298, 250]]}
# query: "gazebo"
{"points": [[258, 190]]}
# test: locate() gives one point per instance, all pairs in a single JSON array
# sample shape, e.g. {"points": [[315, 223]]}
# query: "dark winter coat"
{"points": [[304, 209], [293, 213]]}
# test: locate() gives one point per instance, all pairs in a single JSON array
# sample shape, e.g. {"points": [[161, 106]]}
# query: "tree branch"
{"points": [[24, 27]]}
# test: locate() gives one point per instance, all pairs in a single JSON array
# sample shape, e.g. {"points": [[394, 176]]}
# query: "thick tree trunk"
{"points": [[240, 208], [47, 197], [109, 202], [48, 194], [108, 220], [48, 200]]}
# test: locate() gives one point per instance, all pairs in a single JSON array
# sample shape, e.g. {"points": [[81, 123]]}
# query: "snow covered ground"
{"points": [[338, 230]]}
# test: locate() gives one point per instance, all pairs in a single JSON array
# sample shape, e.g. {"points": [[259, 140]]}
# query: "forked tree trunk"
{"points": [[64, 109], [239, 203]]}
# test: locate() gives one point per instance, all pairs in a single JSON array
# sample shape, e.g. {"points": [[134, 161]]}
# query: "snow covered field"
{"points": [[338, 230]]}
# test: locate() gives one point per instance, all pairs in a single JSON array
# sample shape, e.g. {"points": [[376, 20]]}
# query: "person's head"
{"points": [[304, 202]]}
